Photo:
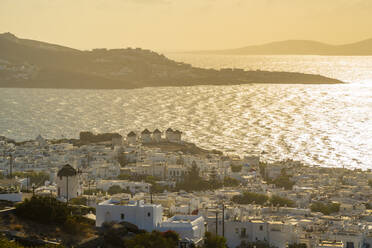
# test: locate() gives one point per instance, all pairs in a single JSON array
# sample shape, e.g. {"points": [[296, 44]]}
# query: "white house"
{"points": [[236, 232], [144, 216], [150, 217], [68, 183], [189, 227]]}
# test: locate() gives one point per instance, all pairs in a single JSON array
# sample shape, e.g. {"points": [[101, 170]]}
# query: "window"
{"points": [[148, 214], [261, 228], [243, 232], [122, 216], [349, 244]]}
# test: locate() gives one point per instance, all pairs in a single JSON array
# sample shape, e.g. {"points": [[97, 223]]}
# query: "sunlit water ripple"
{"points": [[327, 125]]}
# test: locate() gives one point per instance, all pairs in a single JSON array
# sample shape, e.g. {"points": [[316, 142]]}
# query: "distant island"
{"points": [[33, 64], [300, 47]]}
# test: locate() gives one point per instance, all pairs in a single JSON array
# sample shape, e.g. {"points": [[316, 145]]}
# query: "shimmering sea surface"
{"points": [[326, 125]]}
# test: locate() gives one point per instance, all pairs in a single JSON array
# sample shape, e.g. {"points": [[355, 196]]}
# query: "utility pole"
{"points": [[67, 188], [10, 165], [223, 220], [151, 194], [33, 189], [27, 178], [216, 222]]}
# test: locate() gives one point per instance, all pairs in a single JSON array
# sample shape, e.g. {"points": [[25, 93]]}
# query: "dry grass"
{"points": [[50, 231]]}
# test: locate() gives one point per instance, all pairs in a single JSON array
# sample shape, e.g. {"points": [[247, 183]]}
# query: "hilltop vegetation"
{"points": [[34, 64]]}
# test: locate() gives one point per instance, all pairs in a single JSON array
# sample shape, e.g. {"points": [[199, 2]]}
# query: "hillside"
{"points": [[33, 64], [301, 47]]}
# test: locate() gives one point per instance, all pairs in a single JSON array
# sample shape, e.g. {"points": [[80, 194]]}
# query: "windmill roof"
{"points": [[146, 131], [132, 134], [67, 171]]}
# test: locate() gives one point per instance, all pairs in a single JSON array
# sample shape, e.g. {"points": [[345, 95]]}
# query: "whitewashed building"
{"points": [[145, 216], [189, 227], [150, 217]]}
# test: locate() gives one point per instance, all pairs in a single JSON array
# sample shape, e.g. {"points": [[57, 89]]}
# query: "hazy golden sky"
{"points": [[185, 24]]}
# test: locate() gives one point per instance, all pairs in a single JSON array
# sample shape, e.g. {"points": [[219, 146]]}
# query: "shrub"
{"points": [[214, 241], [257, 244], [43, 210], [281, 201], [78, 201], [250, 197], [325, 208], [236, 168], [37, 178], [92, 191], [283, 181], [75, 224], [47, 210], [154, 239], [230, 182], [116, 189]]}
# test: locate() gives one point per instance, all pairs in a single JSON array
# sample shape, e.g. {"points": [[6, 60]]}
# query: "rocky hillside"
{"points": [[33, 64]]}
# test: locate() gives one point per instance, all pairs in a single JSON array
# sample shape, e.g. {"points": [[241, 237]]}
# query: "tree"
{"points": [[296, 245], [47, 210], [113, 233], [283, 181], [43, 210], [263, 169], [78, 201], [92, 191], [122, 159], [281, 201], [257, 244], [249, 198], [116, 189], [236, 168], [154, 239], [214, 241], [37, 178], [193, 173], [325, 208], [230, 182]]}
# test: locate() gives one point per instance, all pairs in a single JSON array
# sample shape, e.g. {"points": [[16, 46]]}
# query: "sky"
{"points": [[185, 24]]}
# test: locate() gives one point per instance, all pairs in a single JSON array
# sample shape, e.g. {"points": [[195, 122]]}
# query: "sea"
{"points": [[319, 125]]}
